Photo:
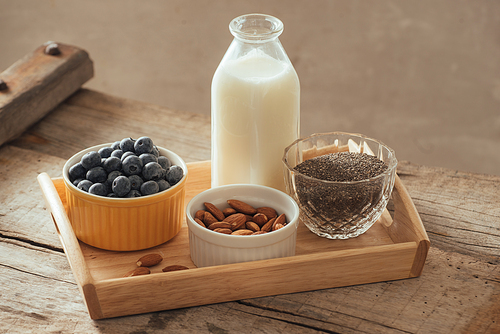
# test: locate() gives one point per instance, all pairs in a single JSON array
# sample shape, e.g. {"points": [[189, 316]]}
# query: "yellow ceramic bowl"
{"points": [[125, 224]]}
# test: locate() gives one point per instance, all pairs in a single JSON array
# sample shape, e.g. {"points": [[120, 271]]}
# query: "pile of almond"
{"points": [[150, 260], [240, 218]]}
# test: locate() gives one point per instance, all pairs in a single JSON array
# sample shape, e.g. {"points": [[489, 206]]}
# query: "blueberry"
{"points": [[149, 188], [135, 182], [105, 152], [143, 145], [91, 159], [164, 162], [77, 171], [163, 185], [133, 193], [152, 171], [127, 144], [174, 174], [75, 183], [97, 175], [132, 165], [112, 164], [111, 194], [126, 154], [121, 186], [98, 189], [148, 157], [117, 153], [84, 185], [113, 175], [155, 151], [116, 145]]}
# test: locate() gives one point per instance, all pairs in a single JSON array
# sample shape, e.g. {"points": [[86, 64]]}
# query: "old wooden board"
{"points": [[458, 291], [37, 83]]}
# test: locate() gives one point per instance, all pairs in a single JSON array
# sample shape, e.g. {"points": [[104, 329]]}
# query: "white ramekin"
{"points": [[209, 248]]}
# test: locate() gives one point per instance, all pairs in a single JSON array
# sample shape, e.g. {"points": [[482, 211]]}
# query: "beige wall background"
{"points": [[422, 76]]}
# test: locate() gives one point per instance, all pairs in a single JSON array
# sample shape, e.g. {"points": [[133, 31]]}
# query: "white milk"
{"points": [[255, 115]]}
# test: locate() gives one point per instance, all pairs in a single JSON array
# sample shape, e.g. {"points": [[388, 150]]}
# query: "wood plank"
{"points": [[458, 291], [459, 210], [37, 83], [90, 118]]}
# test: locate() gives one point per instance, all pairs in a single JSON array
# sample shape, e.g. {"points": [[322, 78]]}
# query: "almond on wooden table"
{"points": [[137, 272], [149, 260], [174, 267]]}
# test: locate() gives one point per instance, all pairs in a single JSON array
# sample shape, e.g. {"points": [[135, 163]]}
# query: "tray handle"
{"points": [[406, 226], [70, 244]]}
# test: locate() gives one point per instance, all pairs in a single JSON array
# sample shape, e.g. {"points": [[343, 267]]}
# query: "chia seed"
{"points": [[340, 203]]}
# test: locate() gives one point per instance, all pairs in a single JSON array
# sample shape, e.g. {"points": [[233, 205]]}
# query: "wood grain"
{"points": [[319, 263], [37, 83], [458, 291]]}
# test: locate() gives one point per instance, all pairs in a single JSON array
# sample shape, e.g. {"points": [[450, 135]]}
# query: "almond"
{"points": [[215, 225], [224, 230], [242, 207], [208, 218], [137, 272], [269, 212], [229, 211], [252, 226], [237, 220], [268, 227], [259, 232], [174, 267], [214, 211], [260, 219], [200, 214], [199, 222], [281, 219], [277, 226], [242, 232], [149, 260]]}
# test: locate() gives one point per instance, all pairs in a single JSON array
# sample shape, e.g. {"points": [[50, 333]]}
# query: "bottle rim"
{"points": [[256, 27]]}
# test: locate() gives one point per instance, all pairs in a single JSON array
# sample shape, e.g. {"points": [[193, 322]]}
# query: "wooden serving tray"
{"points": [[393, 248]]}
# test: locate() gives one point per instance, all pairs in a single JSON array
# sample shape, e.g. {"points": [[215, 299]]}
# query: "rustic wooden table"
{"points": [[458, 292]]}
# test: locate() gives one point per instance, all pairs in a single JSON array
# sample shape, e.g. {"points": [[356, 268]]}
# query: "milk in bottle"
{"points": [[255, 105]]}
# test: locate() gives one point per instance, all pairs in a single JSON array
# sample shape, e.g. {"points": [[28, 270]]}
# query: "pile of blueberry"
{"points": [[128, 168]]}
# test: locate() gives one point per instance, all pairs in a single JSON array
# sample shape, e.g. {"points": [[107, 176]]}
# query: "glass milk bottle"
{"points": [[255, 105]]}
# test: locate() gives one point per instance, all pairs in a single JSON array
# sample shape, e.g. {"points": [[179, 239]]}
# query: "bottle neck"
{"points": [[256, 28]]}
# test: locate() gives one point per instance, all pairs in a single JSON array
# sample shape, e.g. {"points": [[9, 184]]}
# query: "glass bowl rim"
{"points": [[392, 162]]}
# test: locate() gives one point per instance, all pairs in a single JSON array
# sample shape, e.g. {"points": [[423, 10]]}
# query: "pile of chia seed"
{"points": [[342, 166], [340, 205]]}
